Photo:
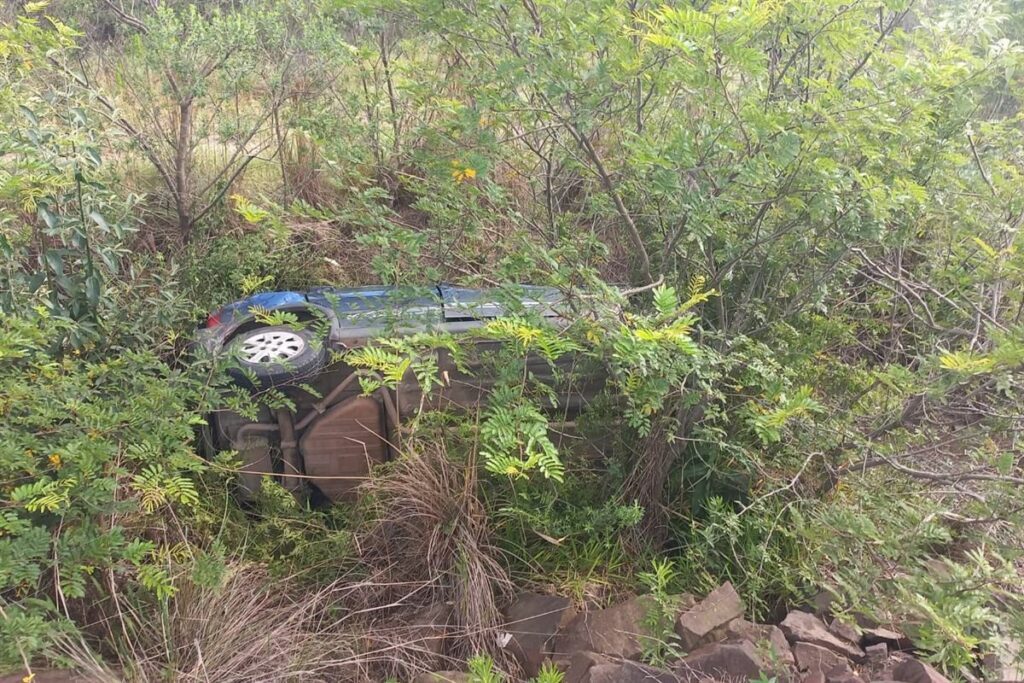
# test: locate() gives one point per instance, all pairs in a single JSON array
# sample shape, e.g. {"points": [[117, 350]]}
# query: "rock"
{"points": [[697, 625], [767, 638], [894, 639], [443, 677], [816, 677], [629, 672], [618, 630], [916, 671], [1004, 664], [814, 658], [842, 676], [722, 661], [877, 653], [531, 621], [578, 670], [844, 631], [801, 627]]}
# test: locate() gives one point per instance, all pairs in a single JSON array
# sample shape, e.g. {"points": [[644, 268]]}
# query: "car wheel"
{"points": [[278, 354]]}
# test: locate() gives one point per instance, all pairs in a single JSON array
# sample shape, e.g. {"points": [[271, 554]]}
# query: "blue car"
{"points": [[329, 442], [350, 316]]}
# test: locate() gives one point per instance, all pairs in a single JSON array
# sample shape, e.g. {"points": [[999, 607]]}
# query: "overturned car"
{"points": [[332, 431]]}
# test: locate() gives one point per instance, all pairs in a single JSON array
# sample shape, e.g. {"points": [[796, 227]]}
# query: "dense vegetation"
{"points": [[815, 362]]}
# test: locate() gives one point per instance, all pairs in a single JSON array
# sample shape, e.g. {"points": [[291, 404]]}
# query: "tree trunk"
{"points": [[183, 170]]}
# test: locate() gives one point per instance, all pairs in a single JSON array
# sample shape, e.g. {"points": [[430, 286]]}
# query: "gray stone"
{"points": [[844, 631], [1004, 664], [619, 630], [629, 672], [916, 671], [877, 653], [722, 661], [801, 627], [842, 676], [531, 621], [578, 669], [816, 659], [767, 638], [699, 624], [893, 638]]}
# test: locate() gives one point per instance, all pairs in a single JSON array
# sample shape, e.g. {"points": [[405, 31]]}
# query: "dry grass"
{"points": [[252, 628], [427, 596], [257, 628], [429, 544], [646, 484]]}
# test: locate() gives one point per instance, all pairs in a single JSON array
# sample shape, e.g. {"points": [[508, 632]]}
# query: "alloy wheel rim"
{"points": [[272, 347]]}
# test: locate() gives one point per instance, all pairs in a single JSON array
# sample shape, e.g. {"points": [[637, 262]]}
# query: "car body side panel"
{"points": [[465, 303], [268, 301], [379, 307]]}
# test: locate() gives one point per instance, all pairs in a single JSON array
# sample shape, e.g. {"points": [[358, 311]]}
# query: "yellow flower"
{"points": [[512, 471], [55, 460], [461, 172]]}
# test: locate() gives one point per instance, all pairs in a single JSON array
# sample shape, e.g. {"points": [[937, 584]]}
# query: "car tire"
{"points": [[277, 354]]}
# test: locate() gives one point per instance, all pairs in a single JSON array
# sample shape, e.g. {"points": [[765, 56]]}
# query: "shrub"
{"points": [[96, 456]]}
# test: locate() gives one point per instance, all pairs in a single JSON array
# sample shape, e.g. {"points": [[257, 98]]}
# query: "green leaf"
{"points": [[99, 220], [54, 260], [29, 114], [92, 290], [51, 219]]}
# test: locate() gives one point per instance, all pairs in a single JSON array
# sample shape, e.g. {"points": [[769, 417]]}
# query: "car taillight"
{"points": [[213, 320]]}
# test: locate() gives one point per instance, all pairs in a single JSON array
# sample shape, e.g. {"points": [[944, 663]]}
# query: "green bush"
{"points": [[97, 460]]}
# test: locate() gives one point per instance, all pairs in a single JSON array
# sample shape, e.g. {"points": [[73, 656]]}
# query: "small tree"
{"points": [[199, 95]]}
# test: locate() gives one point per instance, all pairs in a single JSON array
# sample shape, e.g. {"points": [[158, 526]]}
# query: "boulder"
{"points": [[579, 666], [1004, 664], [891, 637], [619, 630], [877, 653], [701, 623], [916, 671], [531, 621], [722, 661], [842, 676], [629, 672], [768, 639], [844, 631], [816, 659], [801, 627]]}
